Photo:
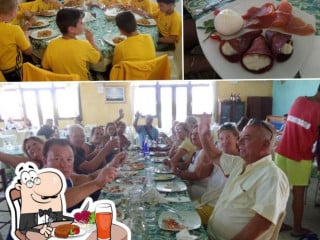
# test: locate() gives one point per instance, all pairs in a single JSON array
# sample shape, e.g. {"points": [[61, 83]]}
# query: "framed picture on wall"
{"points": [[115, 94]]}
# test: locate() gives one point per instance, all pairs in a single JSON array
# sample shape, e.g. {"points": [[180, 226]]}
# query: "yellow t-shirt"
{"points": [[143, 4], [39, 5], [12, 37], [139, 47], [70, 56], [168, 25]]}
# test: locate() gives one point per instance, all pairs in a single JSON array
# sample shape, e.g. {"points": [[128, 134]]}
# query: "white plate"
{"points": [[111, 13], [288, 69], [132, 180], [108, 38], [151, 23], [158, 159], [191, 220], [82, 232], [49, 13], [44, 24], [54, 33], [164, 177], [116, 189], [171, 186], [132, 166], [162, 169]]}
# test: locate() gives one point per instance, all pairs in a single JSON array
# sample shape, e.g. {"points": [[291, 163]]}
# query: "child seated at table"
{"points": [[136, 46], [169, 24], [12, 41], [68, 54], [41, 7], [142, 7]]}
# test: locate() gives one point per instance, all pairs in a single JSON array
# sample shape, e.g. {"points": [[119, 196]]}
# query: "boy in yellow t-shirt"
{"points": [[68, 54], [12, 41], [137, 46], [142, 7], [169, 24]]}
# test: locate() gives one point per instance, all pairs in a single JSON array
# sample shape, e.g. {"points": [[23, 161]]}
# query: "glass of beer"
{"points": [[103, 221]]}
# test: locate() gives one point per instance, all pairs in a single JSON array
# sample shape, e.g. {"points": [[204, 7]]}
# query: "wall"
{"points": [[98, 112], [285, 92]]}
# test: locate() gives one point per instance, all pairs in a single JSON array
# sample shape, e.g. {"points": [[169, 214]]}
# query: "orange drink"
{"points": [[104, 221]]}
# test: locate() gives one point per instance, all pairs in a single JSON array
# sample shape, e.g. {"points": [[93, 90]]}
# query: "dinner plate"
{"points": [[40, 23], [48, 13], [158, 159], [126, 174], [116, 189], [162, 169], [82, 232], [53, 34], [146, 22], [171, 186], [132, 180], [111, 13], [109, 39], [164, 177], [187, 219], [288, 69], [133, 166]]}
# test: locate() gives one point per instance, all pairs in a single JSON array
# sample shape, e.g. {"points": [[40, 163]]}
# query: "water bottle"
{"points": [[145, 147]]}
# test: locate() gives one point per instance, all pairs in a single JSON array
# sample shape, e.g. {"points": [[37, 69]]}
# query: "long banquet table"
{"points": [[153, 231], [99, 26]]}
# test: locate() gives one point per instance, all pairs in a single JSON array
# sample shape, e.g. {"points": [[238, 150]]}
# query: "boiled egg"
{"points": [[228, 22]]}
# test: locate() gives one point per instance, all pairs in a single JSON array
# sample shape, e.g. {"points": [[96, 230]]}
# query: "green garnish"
{"points": [[208, 26]]}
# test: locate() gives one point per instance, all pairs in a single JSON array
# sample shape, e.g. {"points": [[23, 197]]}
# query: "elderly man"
{"points": [[146, 130], [256, 192]]}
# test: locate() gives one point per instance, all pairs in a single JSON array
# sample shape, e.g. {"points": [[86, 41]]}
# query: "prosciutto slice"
{"points": [[258, 58], [280, 45], [232, 49]]}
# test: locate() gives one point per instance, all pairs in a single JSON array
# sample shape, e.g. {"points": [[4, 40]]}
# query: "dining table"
{"points": [[134, 176], [306, 48], [99, 22]]}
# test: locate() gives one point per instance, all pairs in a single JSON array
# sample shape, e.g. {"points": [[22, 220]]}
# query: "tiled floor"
{"points": [[311, 217]]}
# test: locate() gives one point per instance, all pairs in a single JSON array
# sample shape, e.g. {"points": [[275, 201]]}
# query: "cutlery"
{"points": [[212, 6]]}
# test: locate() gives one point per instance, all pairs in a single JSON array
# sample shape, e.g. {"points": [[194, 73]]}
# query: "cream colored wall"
{"points": [[94, 108]]}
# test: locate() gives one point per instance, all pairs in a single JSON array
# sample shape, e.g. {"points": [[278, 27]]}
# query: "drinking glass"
{"points": [[104, 221]]}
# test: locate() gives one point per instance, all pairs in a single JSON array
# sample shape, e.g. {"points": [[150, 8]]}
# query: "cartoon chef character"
{"points": [[42, 200]]}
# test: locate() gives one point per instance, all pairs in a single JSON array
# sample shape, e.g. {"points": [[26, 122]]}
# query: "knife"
{"points": [[212, 6]]}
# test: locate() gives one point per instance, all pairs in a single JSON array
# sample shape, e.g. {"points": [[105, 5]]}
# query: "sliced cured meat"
{"points": [[232, 49], [256, 12], [298, 26], [282, 14], [258, 58], [280, 45]]}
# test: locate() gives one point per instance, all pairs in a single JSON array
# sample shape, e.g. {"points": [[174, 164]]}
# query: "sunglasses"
{"points": [[263, 124]]}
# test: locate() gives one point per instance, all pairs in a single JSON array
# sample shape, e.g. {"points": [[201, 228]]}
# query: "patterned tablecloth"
{"points": [[99, 27], [153, 231], [310, 6]]}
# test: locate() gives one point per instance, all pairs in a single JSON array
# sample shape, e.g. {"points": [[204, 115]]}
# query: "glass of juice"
{"points": [[103, 221]]}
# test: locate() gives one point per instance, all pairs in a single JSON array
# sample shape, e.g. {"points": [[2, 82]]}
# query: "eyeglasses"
{"points": [[263, 124]]}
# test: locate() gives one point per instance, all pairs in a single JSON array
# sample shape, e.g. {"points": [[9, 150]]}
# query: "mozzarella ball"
{"points": [[228, 22]]}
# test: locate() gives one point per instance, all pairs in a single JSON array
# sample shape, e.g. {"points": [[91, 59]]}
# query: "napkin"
{"points": [[152, 195], [185, 235]]}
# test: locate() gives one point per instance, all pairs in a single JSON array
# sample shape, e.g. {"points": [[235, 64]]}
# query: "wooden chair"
{"points": [[155, 69], [31, 72], [4, 184]]}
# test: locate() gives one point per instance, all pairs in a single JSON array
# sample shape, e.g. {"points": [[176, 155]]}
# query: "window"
{"points": [[174, 100], [39, 101]]}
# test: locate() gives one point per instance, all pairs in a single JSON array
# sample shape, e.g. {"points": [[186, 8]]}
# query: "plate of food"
{"points": [[39, 23], [176, 221], [132, 180], [68, 231], [163, 169], [48, 13], [156, 159], [259, 50], [171, 186], [146, 22], [116, 189], [164, 177], [113, 39], [44, 34], [111, 13], [120, 214], [126, 174], [133, 166]]}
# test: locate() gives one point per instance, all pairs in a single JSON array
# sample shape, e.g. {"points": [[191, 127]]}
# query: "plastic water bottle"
{"points": [[145, 147]]}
